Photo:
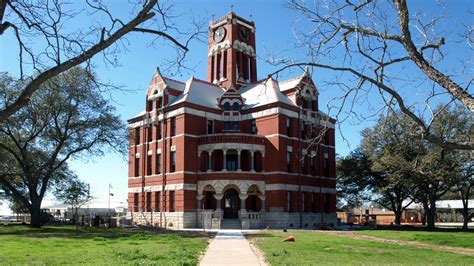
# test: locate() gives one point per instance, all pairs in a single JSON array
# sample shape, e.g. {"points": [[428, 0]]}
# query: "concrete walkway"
{"points": [[230, 248]]}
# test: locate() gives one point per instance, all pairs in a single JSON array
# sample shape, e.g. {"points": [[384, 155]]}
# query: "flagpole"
{"points": [[108, 211]]}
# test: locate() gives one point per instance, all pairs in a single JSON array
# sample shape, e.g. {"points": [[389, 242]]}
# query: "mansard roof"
{"points": [[262, 93], [199, 92], [206, 94]]}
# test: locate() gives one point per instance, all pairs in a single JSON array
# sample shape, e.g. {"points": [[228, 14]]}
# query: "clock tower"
{"points": [[231, 55]]}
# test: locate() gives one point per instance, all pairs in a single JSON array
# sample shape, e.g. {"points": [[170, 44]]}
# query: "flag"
{"points": [[110, 186]]}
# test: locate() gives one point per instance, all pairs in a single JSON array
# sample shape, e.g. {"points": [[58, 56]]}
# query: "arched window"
{"points": [[235, 106], [227, 106]]}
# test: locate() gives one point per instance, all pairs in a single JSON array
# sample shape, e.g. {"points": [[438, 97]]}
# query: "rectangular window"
{"points": [[137, 136], [158, 131], [313, 202], [137, 167], [288, 127], [172, 201], [157, 201], [289, 201], [253, 129], [326, 167], [173, 126], [158, 164], [235, 126], [150, 133], [159, 102], [326, 137], [148, 201], [313, 165], [226, 125], [173, 161], [210, 127], [289, 156], [327, 203], [148, 165], [303, 164], [149, 105], [135, 202], [303, 202], [303, 133]]}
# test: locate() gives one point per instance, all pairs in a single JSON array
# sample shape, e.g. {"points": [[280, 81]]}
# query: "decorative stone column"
{"points": [[262, 209], [218, 212], [199, 161], [239, 152], [252, 160], [209, 158], [243, 210], [199, 201], [224, 154], [244, 218], [262, 199]]}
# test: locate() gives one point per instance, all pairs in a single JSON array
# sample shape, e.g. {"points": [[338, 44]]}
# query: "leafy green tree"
{"points": [[68, 118], [74, 193], [392, 151], [438, 168], [354, 180]]}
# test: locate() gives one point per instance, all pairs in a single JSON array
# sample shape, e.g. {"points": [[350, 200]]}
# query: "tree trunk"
{"points": [[431, 216], [466, 217], [398, 217], [35, 213]]}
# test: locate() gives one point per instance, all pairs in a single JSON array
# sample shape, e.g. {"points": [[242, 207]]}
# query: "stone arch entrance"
{"points": [[231, 202], [253, 202], [209, 201]]}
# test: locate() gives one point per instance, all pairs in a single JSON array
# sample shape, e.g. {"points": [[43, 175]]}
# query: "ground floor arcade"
{"points": [[250, 203]]}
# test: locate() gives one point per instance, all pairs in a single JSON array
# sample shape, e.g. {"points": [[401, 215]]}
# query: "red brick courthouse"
{"points": [[231, 151]]}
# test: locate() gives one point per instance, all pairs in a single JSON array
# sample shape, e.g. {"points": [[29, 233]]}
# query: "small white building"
{"points": [[5, 210], [89, 210]]}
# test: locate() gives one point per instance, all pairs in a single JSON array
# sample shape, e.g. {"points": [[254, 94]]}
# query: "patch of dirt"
{"points": [[253, 245], [353, 235]]}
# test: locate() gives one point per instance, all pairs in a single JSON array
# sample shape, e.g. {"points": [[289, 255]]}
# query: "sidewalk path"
{"points": [[230, 248]]}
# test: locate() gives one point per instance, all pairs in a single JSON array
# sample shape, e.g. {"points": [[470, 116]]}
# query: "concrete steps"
{"points": [[231, 224]]}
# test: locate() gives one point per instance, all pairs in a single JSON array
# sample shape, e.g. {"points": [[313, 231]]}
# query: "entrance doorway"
{"points": [[231, 204]]}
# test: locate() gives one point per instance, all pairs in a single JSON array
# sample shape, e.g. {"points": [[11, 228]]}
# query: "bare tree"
{"points": [[50, 24], [384, 49]]}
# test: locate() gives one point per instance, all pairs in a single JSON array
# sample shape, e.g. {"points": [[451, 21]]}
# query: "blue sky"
{"points": [[274, 31]]}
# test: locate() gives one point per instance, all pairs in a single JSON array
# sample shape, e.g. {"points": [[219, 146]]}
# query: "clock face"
{"points": [[219, 34], [244, 34]]}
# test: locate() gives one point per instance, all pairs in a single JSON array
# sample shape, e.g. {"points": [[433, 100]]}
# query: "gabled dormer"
{"points": [[162, 91], [302, 91], [231, 103]]}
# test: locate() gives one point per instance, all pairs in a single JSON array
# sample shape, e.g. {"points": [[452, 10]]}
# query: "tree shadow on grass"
{"points": [[424, 229], [98, 234]]}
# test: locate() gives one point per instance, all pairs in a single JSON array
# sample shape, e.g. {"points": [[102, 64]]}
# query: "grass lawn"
{"points": [[313, 248], [443, 237], [60, 245]]}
